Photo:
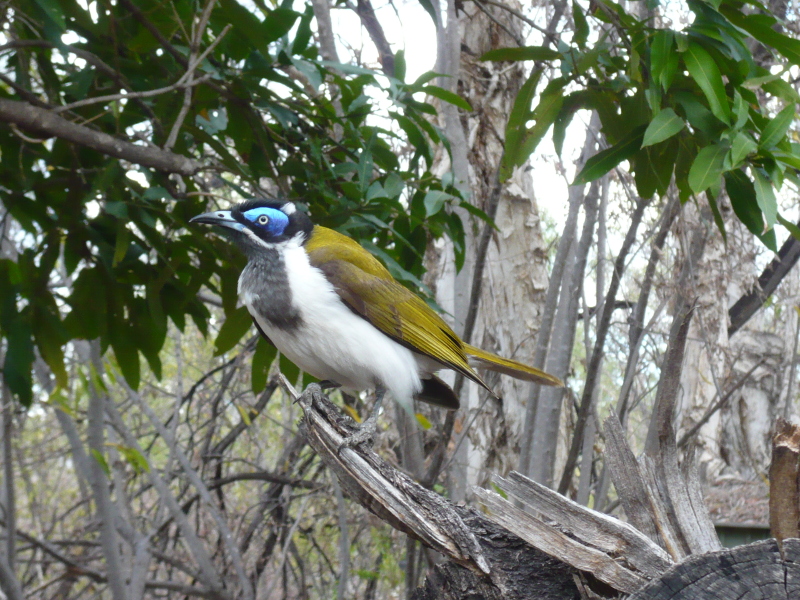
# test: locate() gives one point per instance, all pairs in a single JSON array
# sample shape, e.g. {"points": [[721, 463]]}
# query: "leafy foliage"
{"points": [[107, 252], [695, 103]]}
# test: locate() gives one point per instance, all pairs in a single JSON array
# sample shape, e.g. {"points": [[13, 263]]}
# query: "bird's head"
{"points": [[260, 224]]}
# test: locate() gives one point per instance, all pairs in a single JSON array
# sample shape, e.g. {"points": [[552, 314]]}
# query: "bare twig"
{"points": [[206, 571], [194, 61], [105, 511], [9, 499], [689, 434], [517, 39], [344, 542], [547, 32], [183, 82], [197, 482], [592, 371]]}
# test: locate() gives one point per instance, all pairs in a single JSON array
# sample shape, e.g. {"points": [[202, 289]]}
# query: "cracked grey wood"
{"points": [[753, 572], [608, 534], [486, 561]]}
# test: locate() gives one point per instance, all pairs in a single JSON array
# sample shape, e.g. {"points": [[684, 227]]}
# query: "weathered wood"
{"points": [[385, 491], [661, 451], [487, 561], [784, 470], [630, 485], [538, 549], [754, 572], [594, 529], [519, 571], [549, 539]]}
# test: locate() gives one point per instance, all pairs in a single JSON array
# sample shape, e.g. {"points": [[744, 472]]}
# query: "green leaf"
{"points": [[707, 168], [581, 26], [662, 127], [602, 162], [54, 11], [233, 329], [423, 421], [660, 52], [791, 227], [745, 205], [278, 23], [765, 195], [777, 128], [447, 96], [520, 112], [262, 360], [705, 72], [245, 25], [49, 335], [121, 243], [19, 352], [101, 460], [698, 115], [123, 341], [743, 145], [741, 110], [434, 201], [430, 9], [133, 457], [520, 143], [760, 26], [524, 53]]}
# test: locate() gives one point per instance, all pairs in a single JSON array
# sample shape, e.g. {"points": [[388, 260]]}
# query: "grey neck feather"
{"points": [[265, 279]]}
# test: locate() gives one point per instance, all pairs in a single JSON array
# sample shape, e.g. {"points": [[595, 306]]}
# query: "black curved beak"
{"points": [[222, 218]]}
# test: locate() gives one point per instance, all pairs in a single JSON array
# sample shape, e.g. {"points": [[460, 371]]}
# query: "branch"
{"points": [[224, 531], [105, 512], [492, 562], [42, 121], [370, 22], [593, 371], [717, 405], [768, 282]]}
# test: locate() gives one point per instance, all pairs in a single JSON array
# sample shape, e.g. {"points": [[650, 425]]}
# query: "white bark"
{"points": [[514, 277]]}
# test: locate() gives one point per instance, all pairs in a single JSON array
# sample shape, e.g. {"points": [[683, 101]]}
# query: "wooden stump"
{"points": [[753, 572], [543, 546]]}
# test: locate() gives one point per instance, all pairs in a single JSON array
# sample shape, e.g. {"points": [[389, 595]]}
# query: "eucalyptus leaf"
{"points": [[706, 73], [663, 126], [707, 167]]}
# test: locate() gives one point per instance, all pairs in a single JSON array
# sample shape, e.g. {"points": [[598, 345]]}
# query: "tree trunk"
{"points": [[512, 272]]}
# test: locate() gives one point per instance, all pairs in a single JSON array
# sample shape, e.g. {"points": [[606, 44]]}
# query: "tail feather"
{"points": [[437, 392], [482, 359]]}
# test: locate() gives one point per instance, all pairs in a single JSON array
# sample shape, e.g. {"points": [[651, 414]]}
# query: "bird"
{"points": [[333, 309]]}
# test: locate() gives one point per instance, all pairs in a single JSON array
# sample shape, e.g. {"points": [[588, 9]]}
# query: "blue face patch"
{"points": [[270, 220]]}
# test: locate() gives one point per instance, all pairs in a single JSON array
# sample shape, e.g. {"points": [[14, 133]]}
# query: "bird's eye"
{"points": [[262, 220]]}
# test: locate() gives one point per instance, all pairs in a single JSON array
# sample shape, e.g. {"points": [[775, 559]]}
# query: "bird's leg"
{"points": [[327, 384], [366, 432]]}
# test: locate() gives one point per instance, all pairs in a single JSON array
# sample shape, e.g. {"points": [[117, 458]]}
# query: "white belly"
{"points": [[334, 343]]}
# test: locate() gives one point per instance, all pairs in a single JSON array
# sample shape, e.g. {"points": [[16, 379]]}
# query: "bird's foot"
{"points": [[364, 436]]}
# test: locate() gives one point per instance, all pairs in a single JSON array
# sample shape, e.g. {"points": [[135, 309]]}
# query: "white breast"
{"points": [[334, 343]]}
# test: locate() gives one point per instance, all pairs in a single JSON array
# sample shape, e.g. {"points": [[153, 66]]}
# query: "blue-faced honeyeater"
{"points": [[333, 309]]}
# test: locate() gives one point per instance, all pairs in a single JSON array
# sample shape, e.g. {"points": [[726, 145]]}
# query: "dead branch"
{"points": [[484, 558]]}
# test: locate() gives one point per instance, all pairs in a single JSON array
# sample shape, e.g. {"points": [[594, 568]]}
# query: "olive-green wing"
{"points": [[365, 285]]}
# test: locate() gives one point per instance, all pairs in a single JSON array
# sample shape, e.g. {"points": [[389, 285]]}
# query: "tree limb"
{"points": [[592, 371], [746, 306], [42, 121]]}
